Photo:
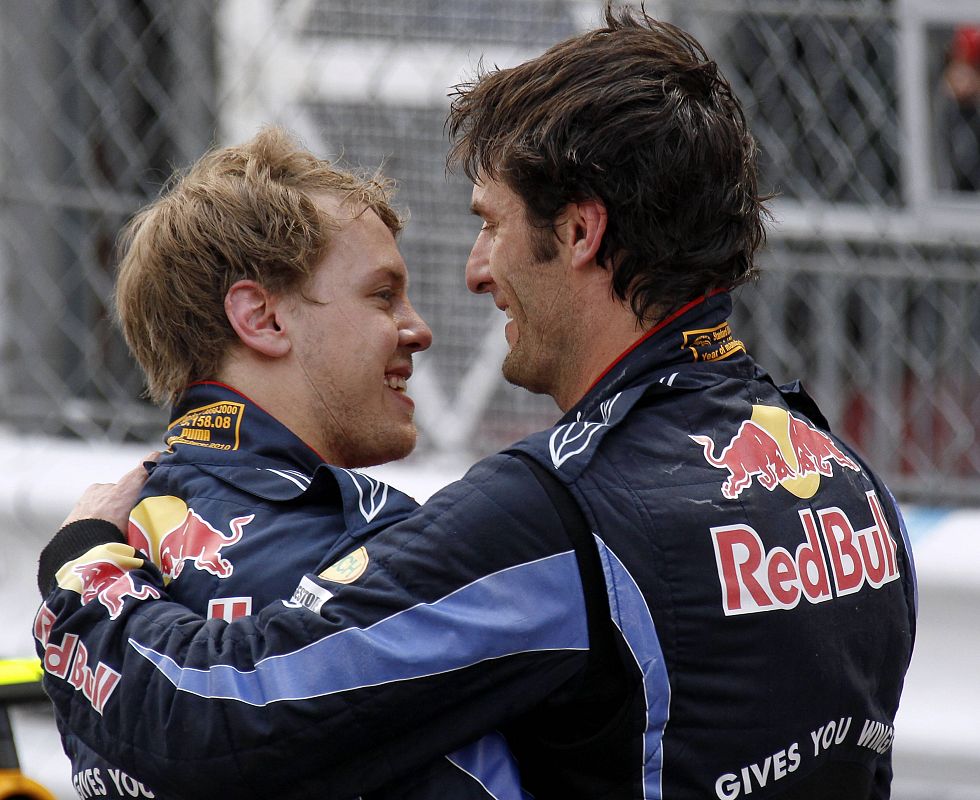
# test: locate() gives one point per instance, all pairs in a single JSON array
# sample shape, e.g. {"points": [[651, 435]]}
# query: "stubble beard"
{"points": [[536, 369], [518, 372], [378, 446], [532, 362]]}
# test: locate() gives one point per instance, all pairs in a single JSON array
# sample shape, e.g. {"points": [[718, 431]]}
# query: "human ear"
{"points": [[586, 223], [253, 312]]}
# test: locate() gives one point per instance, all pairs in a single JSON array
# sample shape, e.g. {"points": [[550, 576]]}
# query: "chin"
{"points": [[393, 446], [517, 371], [401, 449]]}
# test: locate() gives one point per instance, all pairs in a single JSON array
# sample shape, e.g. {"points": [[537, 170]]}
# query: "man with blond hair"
{"points": [[265, 298], [686, 588]]}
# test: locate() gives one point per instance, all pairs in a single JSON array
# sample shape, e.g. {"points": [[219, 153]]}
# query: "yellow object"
{"points": [[15, 785], [19, 670]]}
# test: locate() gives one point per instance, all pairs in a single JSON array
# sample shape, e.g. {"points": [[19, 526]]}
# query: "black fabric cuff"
{"points": [[69, 543]]}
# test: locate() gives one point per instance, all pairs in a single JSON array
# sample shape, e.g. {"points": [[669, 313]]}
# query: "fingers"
{"points": [[138, 474], [112, 501]]}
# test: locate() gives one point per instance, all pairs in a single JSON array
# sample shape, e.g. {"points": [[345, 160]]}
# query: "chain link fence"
{"points": [[871, 291]]}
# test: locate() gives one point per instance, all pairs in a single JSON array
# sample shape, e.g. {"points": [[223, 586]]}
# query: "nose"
{"points": [[478, 278], [413, 333]]}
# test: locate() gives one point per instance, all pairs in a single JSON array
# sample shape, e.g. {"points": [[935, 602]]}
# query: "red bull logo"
{"points": [[776, 449], [110, 584], [103, 574], [69, 661], [173, 534], [754, 579], [814, 450]]}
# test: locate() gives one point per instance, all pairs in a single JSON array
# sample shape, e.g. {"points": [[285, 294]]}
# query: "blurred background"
{"points": [[867, 113]]}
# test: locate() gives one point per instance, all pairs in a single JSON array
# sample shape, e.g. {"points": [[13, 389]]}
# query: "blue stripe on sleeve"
{"points": [[522, 609]]}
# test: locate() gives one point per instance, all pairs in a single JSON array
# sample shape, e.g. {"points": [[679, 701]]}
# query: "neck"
{"points": [[270, 384], [606, 329]]}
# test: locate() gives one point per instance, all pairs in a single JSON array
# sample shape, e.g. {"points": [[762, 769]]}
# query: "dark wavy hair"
{"points": [[636, 115]]}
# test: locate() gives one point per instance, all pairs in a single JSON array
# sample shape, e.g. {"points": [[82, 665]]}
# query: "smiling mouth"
{"points": [[396, 382]]}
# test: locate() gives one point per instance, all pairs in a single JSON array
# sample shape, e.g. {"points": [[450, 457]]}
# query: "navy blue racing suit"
{"points": [[235, 513], [686, 588]]}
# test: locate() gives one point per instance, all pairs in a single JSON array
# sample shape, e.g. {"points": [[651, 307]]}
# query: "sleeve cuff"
{"points": [[69, 543]]}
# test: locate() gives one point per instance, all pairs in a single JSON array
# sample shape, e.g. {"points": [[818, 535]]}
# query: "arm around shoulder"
{"points": [[458, 618]]}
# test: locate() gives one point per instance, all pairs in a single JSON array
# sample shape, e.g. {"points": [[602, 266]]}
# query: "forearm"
{"points": [[404, 664], [344, 701]]}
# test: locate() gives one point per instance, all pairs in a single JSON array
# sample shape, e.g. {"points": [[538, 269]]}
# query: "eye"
{"points": [[385, 295]]}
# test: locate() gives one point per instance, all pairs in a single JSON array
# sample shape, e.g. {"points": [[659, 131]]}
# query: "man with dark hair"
{"points": [[686, 588], [639, 118]]}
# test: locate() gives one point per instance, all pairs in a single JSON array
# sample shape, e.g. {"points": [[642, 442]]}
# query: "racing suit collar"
{"points": [[697, 332], [211, 421]]}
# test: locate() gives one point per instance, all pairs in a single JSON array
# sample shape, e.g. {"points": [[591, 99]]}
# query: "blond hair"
{"points": [[241, 212]]}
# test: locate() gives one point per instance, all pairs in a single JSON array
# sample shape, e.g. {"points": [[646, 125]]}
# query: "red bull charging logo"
{"points": [[172, 535], [108, 583], [776, 449], [103, 574]]}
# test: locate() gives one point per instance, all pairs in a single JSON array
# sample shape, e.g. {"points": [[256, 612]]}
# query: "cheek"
{"points": [[521, 291], [498, 258], [390, 332], [376, 342]]}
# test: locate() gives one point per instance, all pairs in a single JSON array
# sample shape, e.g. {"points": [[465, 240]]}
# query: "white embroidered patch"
{"points": [[372, 494], [569, 440]]}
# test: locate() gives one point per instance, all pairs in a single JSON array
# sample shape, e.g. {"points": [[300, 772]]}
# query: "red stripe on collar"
{"points": [[647, 334]]}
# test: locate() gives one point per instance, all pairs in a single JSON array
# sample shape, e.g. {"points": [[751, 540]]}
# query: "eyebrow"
{"points": [[477, 208], [397, 276]]}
